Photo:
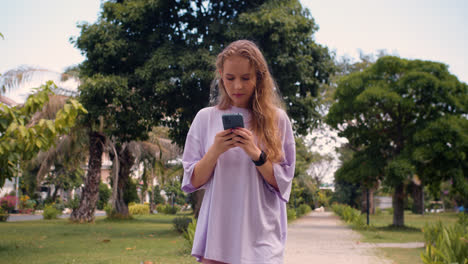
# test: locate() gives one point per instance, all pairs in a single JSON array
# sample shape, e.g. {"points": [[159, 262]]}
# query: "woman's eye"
{"points": [[230, 79], [245, 78]]}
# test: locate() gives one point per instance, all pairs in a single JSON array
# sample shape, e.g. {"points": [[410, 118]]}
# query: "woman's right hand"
{"points": [[223, 142]]}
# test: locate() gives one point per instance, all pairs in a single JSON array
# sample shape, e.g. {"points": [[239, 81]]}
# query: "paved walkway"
{"points": [[26, 217], [320, 237]]}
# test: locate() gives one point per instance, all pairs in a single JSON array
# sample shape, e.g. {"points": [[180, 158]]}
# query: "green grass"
{"points": [[146, 238], [383, 232], [403, 255]]}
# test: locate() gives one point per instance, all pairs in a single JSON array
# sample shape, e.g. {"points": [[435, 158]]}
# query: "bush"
{"points": [[446, 244], [139, 209], [110, 212], [73, 203], [50, 212], [181, 223], [303, 209], [349, 215], [130, 192], [190, 233], [104, 195], [167, 209], [3, 215], [8, 202], [160, 208], [60, 206], [291, 214]]}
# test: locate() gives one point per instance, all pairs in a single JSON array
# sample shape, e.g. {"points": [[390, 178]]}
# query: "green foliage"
{"points": [[131, 192], [104, 195], [291, 214], [169, 209], [151, 62], [181, 224], [189, 235], [302, 210], [3, 215], [446, 244], [21, 138], [74, 203], [349, 215], [295, 198], [173, 191], [393, 114], [158, 199], [50, 212], [139, 209]]}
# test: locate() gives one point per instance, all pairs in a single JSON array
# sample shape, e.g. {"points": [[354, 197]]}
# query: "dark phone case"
{"points": [[233, 121]]}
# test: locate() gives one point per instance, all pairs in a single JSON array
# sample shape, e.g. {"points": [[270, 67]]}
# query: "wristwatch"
{"points": [[261, 160]]}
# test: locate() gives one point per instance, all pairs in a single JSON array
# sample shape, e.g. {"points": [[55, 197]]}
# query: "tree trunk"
{"points": [[418, 198], [399, 205], [126, 162], [90, 193]]}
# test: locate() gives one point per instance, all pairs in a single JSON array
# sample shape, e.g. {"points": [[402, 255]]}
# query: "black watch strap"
{"points": [[261, 160]]}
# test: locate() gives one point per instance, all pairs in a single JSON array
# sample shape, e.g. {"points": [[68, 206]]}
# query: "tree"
{"points": [[22, 137], [150, 63], [381, 110]]}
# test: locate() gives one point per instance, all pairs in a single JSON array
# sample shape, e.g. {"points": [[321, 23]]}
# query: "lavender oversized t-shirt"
{"points": [[242, 218]]}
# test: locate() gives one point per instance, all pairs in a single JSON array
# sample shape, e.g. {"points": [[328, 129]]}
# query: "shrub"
{"points": [[110, 212], [160, 208], [303, 209], [349, 215], [3, 215], [181, 223], [73, 203], [446, 244], [139, 209], [291, 214], [50, 212], [104, 195], [60, 206], [169, 209], [8, 202], [190, 233]]}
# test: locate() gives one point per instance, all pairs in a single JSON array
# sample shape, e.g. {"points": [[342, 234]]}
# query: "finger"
{"points": [[224, 132], [241, 133], [245, 130]]}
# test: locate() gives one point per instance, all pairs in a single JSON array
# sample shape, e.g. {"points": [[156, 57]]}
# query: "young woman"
{"points": [[246, 172]]}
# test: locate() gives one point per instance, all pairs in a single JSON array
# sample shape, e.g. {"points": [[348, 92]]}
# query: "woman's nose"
{"points": [[237, 84]]}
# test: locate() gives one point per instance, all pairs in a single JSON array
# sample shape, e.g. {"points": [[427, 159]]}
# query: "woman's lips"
{"points": [[238, 95]]}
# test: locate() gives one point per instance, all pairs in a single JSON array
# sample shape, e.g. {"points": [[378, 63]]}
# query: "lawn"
{"points": [[382, 232], [412, 232], [146, 238], [403, 255]]}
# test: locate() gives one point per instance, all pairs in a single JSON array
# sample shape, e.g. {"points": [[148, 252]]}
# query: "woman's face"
{"points": [[239, 80]]}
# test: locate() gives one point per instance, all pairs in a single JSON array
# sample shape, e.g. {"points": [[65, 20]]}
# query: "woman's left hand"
{"points": [[245, 140]]}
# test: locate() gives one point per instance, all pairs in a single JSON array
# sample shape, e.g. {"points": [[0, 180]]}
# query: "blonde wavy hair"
{"points": [[264, 102]]}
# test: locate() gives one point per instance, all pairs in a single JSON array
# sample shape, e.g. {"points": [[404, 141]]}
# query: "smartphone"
{"points": [[233, 120]]}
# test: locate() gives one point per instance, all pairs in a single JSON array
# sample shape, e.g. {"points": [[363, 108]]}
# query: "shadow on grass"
{"points": [[391, 228]]}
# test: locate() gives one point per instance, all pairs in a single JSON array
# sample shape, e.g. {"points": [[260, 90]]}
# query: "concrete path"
{"points": [[25, 217], [321, 238]]}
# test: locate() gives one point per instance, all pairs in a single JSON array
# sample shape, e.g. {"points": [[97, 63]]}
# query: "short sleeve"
{"points": [[193, 152], [284, 171]]}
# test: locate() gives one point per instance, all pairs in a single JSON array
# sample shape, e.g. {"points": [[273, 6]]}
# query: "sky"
{"points": [[37, 33]]}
